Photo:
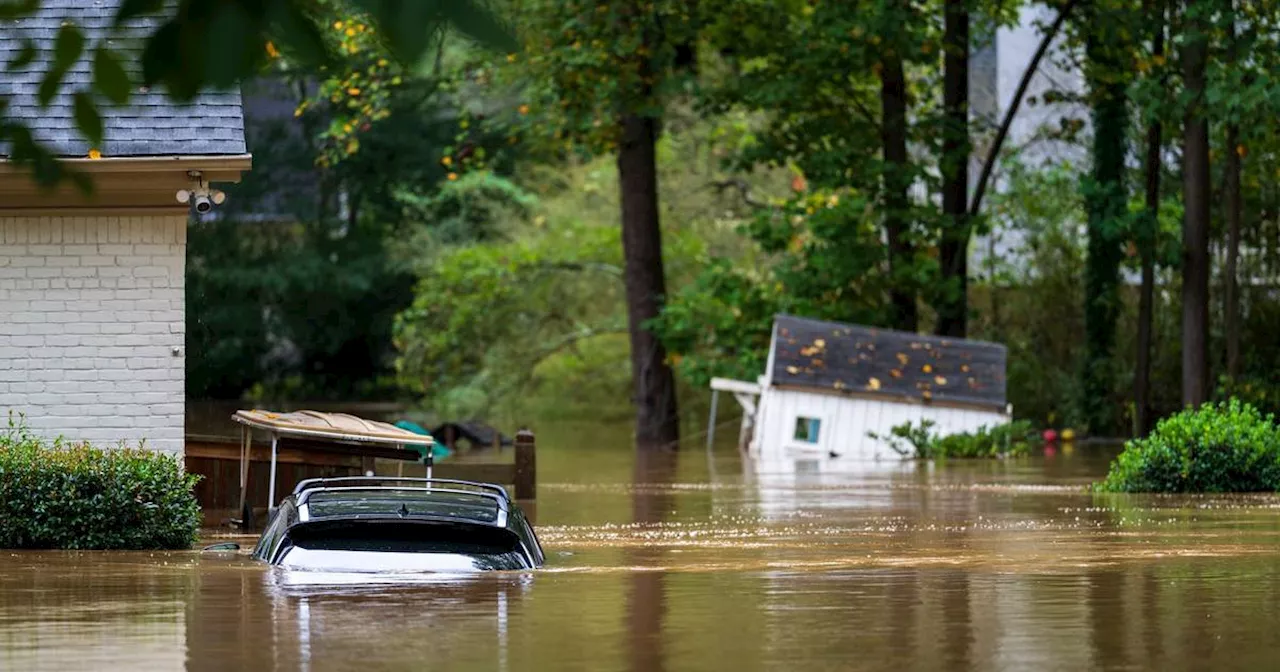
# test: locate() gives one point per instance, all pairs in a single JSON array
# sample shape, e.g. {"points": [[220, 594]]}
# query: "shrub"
{"points": [[1227, 447], [920, 442], [59, 495]]}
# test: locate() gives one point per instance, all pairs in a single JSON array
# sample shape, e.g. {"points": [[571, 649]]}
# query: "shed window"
{"points": [[807, 429]]}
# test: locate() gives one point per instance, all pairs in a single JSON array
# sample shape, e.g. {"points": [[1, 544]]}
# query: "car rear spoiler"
{"points": [[392, 482]]}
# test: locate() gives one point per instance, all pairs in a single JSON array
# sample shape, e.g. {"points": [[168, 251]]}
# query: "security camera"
{"points": [[205, 198]]}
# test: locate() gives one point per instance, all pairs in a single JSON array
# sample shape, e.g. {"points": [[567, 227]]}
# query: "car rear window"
{"points": [[410, 503]]}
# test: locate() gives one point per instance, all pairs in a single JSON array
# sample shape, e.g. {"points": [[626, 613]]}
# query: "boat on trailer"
{"points": [[392, 524]]}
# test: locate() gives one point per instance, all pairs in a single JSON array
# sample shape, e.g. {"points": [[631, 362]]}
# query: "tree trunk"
{"points": [[1146, 247], [1106, 200], [1231, 201], [953, 305], [893, 134], [1195, 225], [657, 425], [1231, 298]]}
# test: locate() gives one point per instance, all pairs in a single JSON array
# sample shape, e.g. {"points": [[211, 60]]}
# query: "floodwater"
{"points": [[710, 563]]}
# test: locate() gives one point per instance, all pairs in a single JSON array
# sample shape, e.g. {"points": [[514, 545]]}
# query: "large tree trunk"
{"points": [[1106, 200], [1146, 247], [953, 305], [1231, 298], [1195, 225], [893, 133], [657, 425], [1231, 200]]}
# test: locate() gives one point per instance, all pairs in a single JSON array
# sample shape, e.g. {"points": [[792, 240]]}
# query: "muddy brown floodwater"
{"points": [[713, 564]]}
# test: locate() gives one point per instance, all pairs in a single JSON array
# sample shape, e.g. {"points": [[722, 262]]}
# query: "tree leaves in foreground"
{"points": [[198, 45]]}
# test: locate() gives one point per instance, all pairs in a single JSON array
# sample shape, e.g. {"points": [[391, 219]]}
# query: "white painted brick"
{"points": [[62, 341], [90, 308]]}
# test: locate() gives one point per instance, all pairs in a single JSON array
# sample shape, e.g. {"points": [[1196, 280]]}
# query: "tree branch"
{"points": [[742, 186], [598, 267], [1030, 72]]}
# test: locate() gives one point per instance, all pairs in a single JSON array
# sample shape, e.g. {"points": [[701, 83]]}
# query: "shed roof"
{"points": [[833, 357], [151, 125]]}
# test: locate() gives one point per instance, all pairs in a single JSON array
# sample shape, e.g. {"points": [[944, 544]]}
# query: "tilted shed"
{"points": [[827, 385]]}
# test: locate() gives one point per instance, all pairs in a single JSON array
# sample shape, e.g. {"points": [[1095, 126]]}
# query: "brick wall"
{"points": [[91, 311]]}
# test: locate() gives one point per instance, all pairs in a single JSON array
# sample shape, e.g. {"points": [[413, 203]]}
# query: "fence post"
{"points": [[526, 466]]}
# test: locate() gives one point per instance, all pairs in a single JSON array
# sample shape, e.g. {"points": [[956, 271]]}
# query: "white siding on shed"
{"points": [[92, 314], [845, 422]]}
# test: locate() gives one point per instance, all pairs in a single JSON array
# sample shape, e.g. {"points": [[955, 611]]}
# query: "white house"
{"points": [[92, 288], [827, 385]]}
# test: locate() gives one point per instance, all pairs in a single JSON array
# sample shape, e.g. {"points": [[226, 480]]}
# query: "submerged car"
{"points": [[379, 524]]}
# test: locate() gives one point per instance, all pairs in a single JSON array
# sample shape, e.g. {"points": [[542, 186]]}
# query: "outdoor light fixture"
{"points": [[205, 198]]}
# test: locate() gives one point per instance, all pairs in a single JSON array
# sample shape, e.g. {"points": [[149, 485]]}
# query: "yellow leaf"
{"points": [[873, 384], [95, 154]]}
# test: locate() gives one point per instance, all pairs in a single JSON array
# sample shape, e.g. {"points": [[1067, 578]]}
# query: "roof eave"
{"points": [[146, 164]]}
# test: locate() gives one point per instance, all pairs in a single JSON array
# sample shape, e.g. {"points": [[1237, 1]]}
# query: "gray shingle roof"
{"points": [[844, 358], [151, 125]]}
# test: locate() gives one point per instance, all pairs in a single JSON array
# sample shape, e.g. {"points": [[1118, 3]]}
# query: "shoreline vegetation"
{"points": [[61, 495], [921, 442]]}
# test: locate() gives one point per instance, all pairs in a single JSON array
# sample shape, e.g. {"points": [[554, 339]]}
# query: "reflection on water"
{"points": [[690, 564]]}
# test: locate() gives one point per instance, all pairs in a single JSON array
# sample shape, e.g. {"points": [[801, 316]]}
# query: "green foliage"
{"points": [[485, 315], [922, 443], [587, 62], [720, 324], [536, 308], [245, 36], [1224, 447], [304, 309], [472, 208], [55, 495]]}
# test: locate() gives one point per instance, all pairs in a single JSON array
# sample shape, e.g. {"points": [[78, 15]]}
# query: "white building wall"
{"points": [[92, 328], [1013, 49], [845, 424]]}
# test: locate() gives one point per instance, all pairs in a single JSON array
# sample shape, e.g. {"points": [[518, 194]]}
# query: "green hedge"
{"points": [[58, 495], [1225, 447]]}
